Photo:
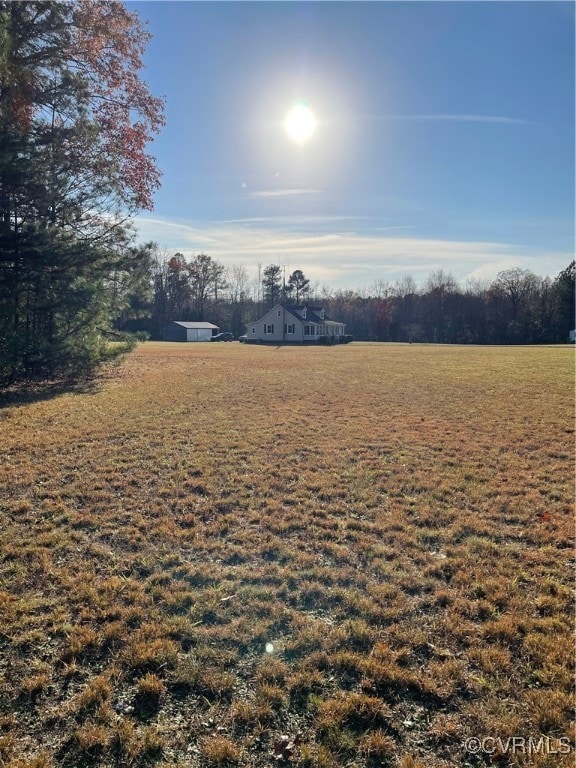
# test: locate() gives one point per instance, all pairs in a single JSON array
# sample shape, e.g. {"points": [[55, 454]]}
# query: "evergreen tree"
{"points": [[74, 122], [298, 285], [564, 291], [272, 285]]}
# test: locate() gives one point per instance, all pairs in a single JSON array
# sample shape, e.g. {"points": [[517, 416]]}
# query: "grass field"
{"points": [[231, 555]]}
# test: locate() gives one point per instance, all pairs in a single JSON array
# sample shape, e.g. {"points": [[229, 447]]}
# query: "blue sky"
{"points": [[445, 136]]}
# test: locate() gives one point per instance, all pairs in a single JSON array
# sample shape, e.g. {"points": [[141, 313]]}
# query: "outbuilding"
{"points": [[179, 330]]}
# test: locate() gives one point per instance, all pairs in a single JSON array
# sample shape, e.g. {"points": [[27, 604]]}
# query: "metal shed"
{"points": [[179, 330]]}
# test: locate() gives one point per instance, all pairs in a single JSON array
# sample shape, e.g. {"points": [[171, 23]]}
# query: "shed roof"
{"points": [[193, 325]]}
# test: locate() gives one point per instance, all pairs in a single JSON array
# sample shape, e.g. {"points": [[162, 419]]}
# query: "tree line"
{"points": [[517, 307]]}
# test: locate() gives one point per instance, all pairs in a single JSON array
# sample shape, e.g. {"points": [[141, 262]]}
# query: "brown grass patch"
{"points": [[367, 546]]}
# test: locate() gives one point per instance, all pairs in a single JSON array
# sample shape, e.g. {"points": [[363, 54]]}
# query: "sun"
{"points": [[300, 123]]}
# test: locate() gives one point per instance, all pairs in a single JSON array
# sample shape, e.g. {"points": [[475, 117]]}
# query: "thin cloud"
{"points": [[283, 192], [403, 226], [347, 259], [462, 118], [300, 221]]}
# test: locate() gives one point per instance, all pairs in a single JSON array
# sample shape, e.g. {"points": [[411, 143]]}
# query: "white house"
{"points": [[182, 331], [296, 325]]}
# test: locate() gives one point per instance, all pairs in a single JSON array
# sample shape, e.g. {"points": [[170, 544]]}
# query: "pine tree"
{"points": [[74, 122], [298, 285], [272, 285]]}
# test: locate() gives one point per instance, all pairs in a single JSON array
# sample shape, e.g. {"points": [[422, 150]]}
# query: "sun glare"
{"points": [[300, 123]]}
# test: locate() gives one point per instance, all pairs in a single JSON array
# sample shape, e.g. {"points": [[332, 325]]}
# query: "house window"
{"points": [[289, 328], [253, 329], [303, 312], [279, 313], [312, 330], [306, 330], [269, 328]]}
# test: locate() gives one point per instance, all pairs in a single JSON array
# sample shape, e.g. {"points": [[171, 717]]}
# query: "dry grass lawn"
{"points": [[232, 555]]}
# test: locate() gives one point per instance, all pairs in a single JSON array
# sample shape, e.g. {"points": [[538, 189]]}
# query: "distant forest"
{"points": [[518, 307]]}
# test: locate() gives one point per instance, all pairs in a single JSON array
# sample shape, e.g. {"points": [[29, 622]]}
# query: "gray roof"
{"points": [[311, 314], [193, 325]]}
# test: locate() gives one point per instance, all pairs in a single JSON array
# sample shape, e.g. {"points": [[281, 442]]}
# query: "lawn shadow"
{"points": [[26, 392]]}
